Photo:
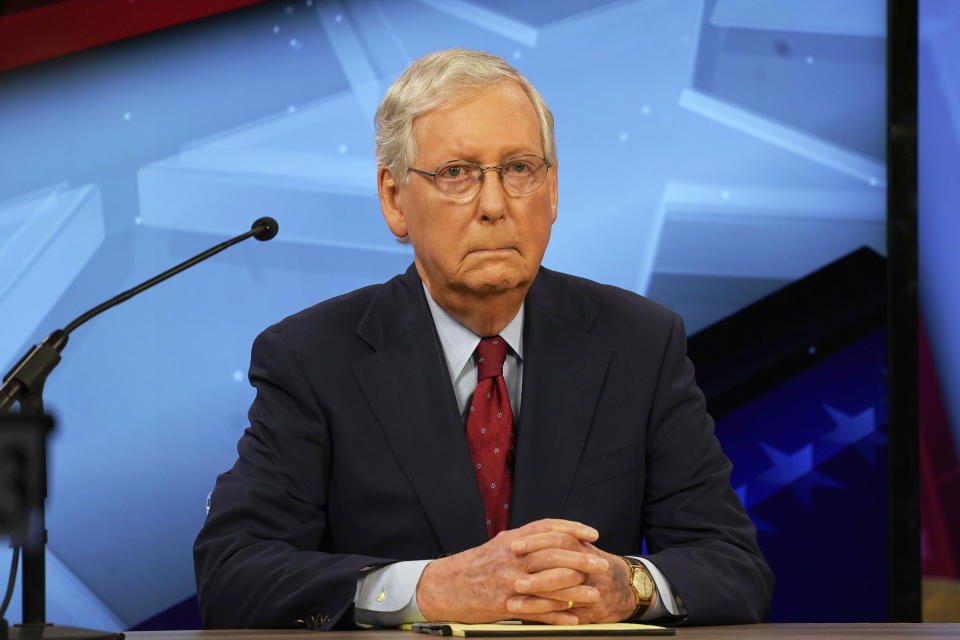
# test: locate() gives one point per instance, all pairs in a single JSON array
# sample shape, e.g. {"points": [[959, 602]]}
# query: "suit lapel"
{"points": [[408, 387], [563, 372]]}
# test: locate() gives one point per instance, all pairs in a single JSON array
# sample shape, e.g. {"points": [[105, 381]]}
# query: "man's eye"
{"points": [[518, 166], [454, 172]]}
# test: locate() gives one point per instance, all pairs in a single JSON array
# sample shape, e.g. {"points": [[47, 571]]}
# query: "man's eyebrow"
{"points": [[509, 155], [521, 151]]}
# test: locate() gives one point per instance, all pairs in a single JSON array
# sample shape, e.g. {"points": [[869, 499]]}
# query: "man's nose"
{"points": [[492, 203]]}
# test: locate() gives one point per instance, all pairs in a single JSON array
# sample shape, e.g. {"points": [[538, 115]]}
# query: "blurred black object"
{"points": [[22, 464]]}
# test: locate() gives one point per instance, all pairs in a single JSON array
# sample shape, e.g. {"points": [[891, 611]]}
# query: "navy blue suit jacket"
{"points": [[356, 455]]}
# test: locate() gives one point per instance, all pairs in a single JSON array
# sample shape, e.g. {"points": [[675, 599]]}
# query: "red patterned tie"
{"points": [[490, 434]]}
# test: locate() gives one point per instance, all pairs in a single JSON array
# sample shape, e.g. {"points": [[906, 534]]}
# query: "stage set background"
{"points": [[938, 266], [700, 165]]}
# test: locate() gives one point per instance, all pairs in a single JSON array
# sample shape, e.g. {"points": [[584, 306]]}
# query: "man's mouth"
{"points": [[492, 250]]}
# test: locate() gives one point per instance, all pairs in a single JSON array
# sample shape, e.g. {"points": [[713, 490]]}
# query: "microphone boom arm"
{"points": [[25, 381]]}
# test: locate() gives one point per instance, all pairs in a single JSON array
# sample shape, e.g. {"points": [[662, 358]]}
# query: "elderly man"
{"points": [[479, 438]]}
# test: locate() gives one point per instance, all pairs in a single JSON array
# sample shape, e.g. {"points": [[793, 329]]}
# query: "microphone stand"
{"points": [[24, 384]]}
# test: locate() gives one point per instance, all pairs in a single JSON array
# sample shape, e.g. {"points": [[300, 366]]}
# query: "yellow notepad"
{"points": [[516, 628]]}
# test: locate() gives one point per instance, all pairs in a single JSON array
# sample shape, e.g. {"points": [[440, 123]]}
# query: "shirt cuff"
{"points": [[387, 597], [666, 604]]}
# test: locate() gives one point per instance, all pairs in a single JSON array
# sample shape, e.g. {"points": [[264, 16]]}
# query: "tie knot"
{"points": [[491, 352]]}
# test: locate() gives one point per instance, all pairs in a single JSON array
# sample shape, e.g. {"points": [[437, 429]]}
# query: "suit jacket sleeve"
{"points": [[258, 559], [696, 528]]}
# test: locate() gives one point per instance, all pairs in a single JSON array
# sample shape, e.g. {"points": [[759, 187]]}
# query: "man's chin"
{"points": [[485, 285]]}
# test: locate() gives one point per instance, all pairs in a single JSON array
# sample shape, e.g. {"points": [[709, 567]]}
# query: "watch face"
{"points": [[642, 582]]}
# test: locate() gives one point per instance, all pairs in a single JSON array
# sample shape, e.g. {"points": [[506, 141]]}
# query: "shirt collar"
{"points": [[459, 342]]}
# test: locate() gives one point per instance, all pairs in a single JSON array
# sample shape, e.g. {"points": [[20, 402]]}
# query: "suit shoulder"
{"points": [[334, 318], [614, 302]]}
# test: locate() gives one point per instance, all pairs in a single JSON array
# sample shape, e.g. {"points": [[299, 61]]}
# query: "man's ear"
{"points": [[389, 192], [553, 190]]}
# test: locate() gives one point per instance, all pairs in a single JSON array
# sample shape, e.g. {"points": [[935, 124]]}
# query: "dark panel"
{"points": [[905, 596]]}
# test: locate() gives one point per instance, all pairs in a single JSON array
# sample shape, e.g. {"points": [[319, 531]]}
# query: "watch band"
{"points": [[642, 584]]}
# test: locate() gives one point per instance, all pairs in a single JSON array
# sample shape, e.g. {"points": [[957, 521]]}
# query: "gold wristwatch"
{"points": [[642, 584]]}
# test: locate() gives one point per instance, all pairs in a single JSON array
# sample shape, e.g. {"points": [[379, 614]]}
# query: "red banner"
{"points": [[59, 28]]}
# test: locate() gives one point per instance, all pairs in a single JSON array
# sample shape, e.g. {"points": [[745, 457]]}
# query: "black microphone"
{"points": [[264, 228], [26, 378]]}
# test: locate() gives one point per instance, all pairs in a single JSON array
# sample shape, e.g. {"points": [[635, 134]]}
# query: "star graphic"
{"points": [[741, 492], [761, 525], [794, 471], [803, 487], [786, 468], [850, 428], [857, 430], [868, 446]]}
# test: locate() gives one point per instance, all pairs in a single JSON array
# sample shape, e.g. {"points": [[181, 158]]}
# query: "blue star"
{"points": [[793, 470], [853, 430], [868, 446], [786, 468], [803, 487], [762, 525], [850, 428], [741, 492]]}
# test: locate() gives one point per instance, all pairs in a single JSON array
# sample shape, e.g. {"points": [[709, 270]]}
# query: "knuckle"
{"points": [[574, 577], [541, 525], [567, 541]]}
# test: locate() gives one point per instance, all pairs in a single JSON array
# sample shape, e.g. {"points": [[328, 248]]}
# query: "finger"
{"points": [[522, 606], [578, 530], [545, 540], [580, 594], [550, 558], [548, 580], [554, 617]]}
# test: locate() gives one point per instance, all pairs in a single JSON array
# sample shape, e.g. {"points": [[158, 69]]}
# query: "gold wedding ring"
{"points": [[569, 604]]}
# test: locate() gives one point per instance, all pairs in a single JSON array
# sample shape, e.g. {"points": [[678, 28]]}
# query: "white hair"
{"points": [[433, 81]]}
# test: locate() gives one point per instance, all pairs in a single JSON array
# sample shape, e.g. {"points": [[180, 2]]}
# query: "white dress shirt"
{"points": [[386, 597]]}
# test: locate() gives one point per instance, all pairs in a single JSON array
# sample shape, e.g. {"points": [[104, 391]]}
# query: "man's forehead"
{"points": [[499, 119]]}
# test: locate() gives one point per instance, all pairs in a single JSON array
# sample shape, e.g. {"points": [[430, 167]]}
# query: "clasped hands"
{"points": [[545, 571]]}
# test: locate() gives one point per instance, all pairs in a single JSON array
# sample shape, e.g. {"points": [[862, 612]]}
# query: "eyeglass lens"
{"points": [[519, 175]]}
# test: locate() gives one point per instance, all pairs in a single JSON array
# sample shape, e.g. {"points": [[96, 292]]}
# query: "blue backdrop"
{"points": [[938, 193], [710, 151]]}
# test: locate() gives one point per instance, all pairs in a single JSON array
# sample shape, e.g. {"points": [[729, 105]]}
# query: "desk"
{"points": [[748, 632]]}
